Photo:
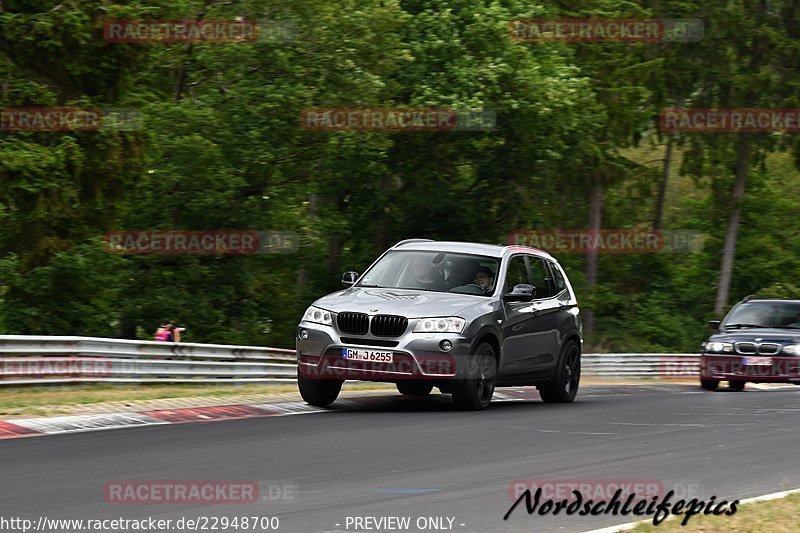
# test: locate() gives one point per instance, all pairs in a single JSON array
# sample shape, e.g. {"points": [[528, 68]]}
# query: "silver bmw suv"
{"points": [[462, 317]]}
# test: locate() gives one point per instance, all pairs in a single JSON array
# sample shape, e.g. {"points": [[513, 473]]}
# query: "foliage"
{"points": [[222, 149]]}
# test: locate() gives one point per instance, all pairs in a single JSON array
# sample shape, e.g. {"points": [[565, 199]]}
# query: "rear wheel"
{"points": [[475, 393], [414, 388], [565, 382], [709, 384], [319, 392], [736, 385]]}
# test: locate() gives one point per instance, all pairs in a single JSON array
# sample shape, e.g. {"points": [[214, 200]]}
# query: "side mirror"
{"points": [[349, 278], [520, 293], [714, 324]]}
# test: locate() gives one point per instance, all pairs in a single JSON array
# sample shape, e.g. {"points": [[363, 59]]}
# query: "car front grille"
{"points": [[388, 325], [745, 347], [752, 348], [769, 348], [353, 323]]}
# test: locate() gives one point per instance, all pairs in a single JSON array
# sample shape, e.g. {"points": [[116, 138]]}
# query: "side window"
{"points": [[541, 278], [516, 273], [558, 278]]}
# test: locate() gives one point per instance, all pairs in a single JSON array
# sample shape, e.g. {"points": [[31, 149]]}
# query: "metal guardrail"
{"points": [[26, 360], [641, 365]]}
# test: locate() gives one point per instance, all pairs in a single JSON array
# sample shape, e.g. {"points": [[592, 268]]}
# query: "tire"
{"points": [[414, 388], [736, 385], [709, 384], [475, 393], [567, 378], [319, 392]]}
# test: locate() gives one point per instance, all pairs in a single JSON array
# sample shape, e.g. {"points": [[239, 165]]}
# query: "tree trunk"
{"points": [[382, 223], [595, 222], [658, 220], [729, 249]]}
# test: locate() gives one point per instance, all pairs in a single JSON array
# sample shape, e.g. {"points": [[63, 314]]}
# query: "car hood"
{"points": [[782, 336], [406, 302]]}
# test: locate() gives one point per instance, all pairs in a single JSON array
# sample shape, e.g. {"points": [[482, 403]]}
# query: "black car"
{"points": [[757, 341]]}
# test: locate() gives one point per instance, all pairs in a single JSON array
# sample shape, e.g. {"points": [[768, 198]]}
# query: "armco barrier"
{"points": [[27, 359]]}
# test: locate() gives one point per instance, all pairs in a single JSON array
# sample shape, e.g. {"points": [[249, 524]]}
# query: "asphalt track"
{"points": [[397, 456]]}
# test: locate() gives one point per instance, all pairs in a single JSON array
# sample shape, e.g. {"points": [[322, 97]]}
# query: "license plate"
{"points": [[360, 354], [757, 361]]}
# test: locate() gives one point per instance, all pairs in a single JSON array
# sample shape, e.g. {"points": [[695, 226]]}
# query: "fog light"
{"points": [[303, 334], [445, 345]]}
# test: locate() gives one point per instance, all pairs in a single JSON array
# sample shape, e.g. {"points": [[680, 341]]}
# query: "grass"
{"points": [[775, 516], [43, 401]]}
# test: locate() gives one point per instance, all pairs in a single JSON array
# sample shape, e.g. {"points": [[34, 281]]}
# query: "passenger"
{"points": [[425, 275]]}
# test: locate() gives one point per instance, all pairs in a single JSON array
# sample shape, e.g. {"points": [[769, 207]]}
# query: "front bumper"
{"points": [[781, 368], [415, 355]]}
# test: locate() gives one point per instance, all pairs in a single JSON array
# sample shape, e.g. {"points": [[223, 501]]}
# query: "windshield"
{"points": [[765, 315], [434, 271]]}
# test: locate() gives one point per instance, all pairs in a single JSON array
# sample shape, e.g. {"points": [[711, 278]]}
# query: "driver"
{"points": [[484, 279]]}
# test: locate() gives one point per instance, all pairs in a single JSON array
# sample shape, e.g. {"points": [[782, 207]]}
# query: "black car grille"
{"points": [[746, 347], [769, 348], [353, 323], [751, 348], [388, 325]]}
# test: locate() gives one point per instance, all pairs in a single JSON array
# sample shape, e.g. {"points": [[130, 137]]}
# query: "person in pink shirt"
{"points": [[167, 332]]}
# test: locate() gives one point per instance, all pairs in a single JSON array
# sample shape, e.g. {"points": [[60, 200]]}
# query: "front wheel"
{"points": [[414, 388], [709, 384], [565, 382], [319, 392], [476, 392], [736, 385]]}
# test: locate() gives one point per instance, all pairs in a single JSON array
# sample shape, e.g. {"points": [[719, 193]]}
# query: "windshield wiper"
{"points": [[787, 326], [371, 286], [746, 326]]}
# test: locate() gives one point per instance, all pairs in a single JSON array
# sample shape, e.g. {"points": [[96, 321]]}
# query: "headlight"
{"points": [[791, 349], [719, 347], [320, 316], [449, 324]]}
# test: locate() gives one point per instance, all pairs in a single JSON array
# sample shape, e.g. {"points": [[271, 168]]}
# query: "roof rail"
{"points": [[407, 241]]}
